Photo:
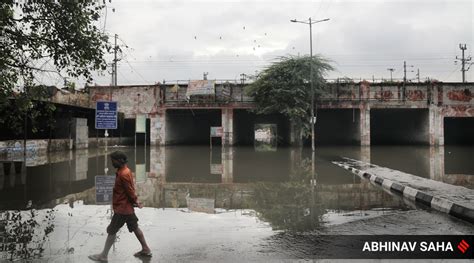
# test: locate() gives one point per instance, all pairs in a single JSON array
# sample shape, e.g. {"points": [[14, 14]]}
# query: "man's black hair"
{"points": [[119, 156]]}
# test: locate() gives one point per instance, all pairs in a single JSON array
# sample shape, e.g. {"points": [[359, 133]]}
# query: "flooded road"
{"points": [[219, 203]]}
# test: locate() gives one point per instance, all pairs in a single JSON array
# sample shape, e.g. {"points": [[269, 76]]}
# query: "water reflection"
{"points": [[277, 185], [74, 172]]}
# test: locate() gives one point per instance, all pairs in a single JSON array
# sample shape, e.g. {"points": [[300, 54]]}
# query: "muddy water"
{"points": [[250, 200]]}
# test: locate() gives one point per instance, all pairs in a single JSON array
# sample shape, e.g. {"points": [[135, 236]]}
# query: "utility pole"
{"points": [[391, 71], [418, 75], [463, 62], [114, 64], [313, 117], [243, 78], [405, 71]]}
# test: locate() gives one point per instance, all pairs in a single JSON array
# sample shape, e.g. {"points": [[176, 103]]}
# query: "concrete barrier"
{"points": [[437, 202]]}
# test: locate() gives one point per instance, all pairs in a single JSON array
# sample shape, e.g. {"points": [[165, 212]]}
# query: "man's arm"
{"points": [[127, 184]]}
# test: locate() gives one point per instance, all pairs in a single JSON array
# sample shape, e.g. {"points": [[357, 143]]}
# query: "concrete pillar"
{"points": [[158, 164], [437, 163], [228, 127], [227, 165], [158, 129], [365, 154], [364, 125], [80, 133], [436, 125]]}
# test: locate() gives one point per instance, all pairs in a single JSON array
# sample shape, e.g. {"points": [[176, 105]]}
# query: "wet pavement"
{"points": [[238, 204]]}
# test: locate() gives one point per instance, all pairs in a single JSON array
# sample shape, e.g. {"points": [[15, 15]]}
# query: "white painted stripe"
{"points": [[361, 174], [441, 204], [387, 184], [372, 178], [410, 193]]}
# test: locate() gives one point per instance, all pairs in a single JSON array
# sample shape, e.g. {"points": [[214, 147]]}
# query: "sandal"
{"points": [[142, 253], [97, 258]]}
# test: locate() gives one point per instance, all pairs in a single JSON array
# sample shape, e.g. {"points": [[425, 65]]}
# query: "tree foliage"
{"points": [[294, 205], [59, 37], [284, 87]]}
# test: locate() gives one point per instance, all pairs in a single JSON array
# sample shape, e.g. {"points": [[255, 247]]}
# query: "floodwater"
{"points": [[219, 204]]}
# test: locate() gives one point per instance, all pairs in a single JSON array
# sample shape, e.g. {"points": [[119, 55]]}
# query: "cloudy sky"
{"points": [[179, 40]]}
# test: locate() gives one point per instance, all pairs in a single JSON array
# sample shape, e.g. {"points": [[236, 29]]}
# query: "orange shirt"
{"points": [[124, 197]]}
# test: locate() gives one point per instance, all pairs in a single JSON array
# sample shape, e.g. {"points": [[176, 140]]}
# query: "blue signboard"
{"points": [[104, 189], [106, 115]]}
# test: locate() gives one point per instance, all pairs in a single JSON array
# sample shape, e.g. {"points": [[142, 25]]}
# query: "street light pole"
{"points": [[312, 121]]}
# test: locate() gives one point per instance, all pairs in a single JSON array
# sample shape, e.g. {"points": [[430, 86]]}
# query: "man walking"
{"points": [[124, 199]]}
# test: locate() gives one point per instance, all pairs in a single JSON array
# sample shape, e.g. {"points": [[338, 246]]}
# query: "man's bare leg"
{"points": [[108, 244], [141, 238]]}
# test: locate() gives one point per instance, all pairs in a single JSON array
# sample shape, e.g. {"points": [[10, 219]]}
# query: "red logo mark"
{"points": [[463, 246]]}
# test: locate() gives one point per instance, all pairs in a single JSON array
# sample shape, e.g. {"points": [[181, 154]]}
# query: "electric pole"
{"points": [[463, 61], [114, 64], [313, 111], [391, 71], [243, 78], [418, 75], [405, 71]]}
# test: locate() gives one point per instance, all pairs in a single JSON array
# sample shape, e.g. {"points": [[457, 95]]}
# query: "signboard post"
{"points": [[105, 119], [106, 115], [140, 127]]}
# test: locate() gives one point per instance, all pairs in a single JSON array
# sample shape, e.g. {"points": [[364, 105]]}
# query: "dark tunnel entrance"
{"points": [[399, 126], [244, 127], [191, 126], [337, 127], [459, 131]]}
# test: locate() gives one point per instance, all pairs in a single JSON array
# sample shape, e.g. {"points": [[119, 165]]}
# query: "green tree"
{"points": [[60, 37], [284, 87]]}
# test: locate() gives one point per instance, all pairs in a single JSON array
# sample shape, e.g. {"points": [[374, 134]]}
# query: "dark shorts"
{"points": [[119, 220]]}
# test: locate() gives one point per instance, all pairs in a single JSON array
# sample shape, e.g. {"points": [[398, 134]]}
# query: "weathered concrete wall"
{"points": [[80, 99], [158, 128], [99, 142], [132, 100], [36, 150], [15, 148], [442, 100], [460, 94]]}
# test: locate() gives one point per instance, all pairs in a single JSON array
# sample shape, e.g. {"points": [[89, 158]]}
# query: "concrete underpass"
{"points": [[337, 127], [191, 126], [399, 126], [244, 123], [459, 131]]}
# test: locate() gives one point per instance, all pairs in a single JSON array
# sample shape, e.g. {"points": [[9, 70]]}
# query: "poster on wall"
{"points": [[140, 124], [200, 87], [140, 173], [217, 132]]}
